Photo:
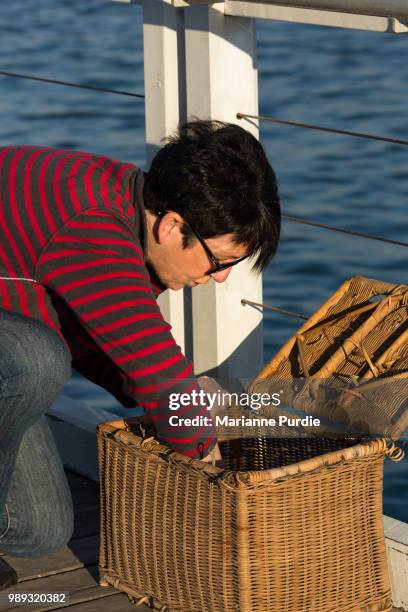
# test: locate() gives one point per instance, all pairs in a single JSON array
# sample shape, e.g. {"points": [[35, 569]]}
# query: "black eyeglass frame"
{"points": [[218, 266]]}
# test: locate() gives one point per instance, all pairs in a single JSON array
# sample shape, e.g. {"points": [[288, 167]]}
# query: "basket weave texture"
{"points": [[185, 536], [349, 361]]}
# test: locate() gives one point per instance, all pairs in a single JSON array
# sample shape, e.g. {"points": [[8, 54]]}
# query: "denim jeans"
{"points": [[36, 515]]}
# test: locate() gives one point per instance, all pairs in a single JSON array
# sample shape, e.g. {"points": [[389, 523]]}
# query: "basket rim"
{"points": [[120, 431]]}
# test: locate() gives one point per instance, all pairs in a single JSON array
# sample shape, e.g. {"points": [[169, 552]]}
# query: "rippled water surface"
{"points": [[339, 78]]}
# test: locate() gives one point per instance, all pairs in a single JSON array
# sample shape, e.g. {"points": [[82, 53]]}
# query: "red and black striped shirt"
{"points": [[74, 223]]}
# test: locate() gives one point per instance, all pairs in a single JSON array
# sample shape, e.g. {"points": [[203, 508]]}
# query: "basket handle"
{"points": [[394, 452]]}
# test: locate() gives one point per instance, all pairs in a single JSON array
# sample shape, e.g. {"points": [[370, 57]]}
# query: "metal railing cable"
{"points": [[332, 228], [287, 313], [68, 84], [241, 116], [319, 128], [343, 230], [309, 126]]}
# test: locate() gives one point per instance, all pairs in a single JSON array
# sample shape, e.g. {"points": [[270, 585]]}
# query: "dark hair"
{"points": [[216, 175]]}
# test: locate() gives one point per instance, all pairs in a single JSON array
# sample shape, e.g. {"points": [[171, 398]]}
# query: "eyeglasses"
{"points": [[217, 265]]}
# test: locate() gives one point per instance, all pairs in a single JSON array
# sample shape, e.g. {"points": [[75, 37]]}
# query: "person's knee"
{"points": [[49, 536], [41, 532]]}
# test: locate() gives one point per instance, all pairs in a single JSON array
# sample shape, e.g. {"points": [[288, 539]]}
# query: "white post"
{"points": [[221, 80], [164, 106]]}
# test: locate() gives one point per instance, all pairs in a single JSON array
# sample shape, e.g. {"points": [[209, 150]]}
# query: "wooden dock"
{"points": [[73, 569]]}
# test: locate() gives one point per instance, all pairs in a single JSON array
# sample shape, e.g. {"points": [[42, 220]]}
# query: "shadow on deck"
{"points": [[73, 569]]}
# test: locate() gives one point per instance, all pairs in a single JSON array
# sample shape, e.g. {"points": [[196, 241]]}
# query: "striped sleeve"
{"points": [[95, 266]]}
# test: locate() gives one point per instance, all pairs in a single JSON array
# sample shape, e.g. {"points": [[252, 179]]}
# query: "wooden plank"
{"points": [[82, 586], [396, 540], [396, 530], [79, 553], [104, 605], [114, 603]]}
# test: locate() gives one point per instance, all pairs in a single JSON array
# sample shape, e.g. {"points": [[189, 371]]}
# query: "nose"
{"points": [[221, 276]]}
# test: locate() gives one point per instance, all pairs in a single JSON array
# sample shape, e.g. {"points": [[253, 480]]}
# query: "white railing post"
{"points": [[164, 105], [221, 80], [215, 76]]}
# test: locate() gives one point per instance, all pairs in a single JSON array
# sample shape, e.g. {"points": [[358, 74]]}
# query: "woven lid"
{"points": [[349, 362]]}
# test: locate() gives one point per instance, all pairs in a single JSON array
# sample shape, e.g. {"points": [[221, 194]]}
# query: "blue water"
{"points": [[338, 78]]}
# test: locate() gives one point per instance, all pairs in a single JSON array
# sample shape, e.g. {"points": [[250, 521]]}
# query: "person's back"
{"points": [[55, 187]]}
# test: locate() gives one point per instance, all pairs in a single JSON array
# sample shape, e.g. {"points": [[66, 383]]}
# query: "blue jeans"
{"points": [[36, 514]]}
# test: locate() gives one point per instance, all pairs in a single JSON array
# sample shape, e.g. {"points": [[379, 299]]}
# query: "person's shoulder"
{"points": [[104, 169], [29, 149]]}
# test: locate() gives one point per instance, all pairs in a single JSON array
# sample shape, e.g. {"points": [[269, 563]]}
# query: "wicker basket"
{"points": [[304, 536], [290, 524]]}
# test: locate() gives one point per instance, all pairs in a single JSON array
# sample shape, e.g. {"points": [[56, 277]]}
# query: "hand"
{"points": [[211, 386], [214, 456]]}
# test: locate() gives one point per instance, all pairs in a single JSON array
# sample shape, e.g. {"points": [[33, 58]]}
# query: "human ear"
{"points": [[169, 227]]}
